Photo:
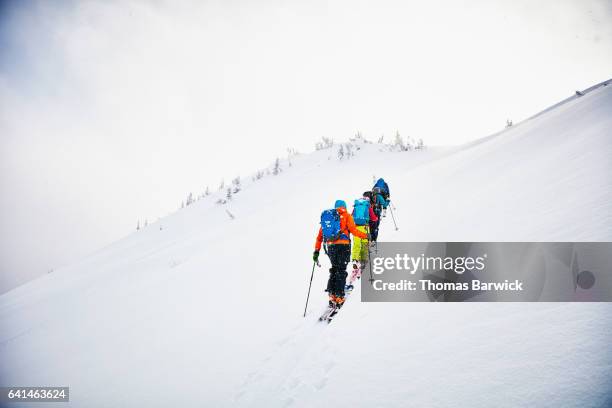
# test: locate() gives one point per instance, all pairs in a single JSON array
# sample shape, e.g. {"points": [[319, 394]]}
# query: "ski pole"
{"points": [[309, 286], [392, 216], [370, 255]]}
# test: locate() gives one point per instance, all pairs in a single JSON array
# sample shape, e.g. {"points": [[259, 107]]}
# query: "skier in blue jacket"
{"points": [[384, 188]]}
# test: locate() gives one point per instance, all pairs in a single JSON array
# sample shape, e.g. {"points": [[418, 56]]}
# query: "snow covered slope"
{"points": [[201, 309]]}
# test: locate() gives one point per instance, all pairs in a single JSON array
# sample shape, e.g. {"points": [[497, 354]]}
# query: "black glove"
{"points": [[315, 256]]}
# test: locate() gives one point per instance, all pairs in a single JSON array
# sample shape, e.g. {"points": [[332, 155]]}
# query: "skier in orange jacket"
{"points": [[339, 252]]}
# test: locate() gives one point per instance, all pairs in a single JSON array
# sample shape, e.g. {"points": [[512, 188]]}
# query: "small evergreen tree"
{"points": [[277, 169], [409, 144], [228, 194], [190, 199], [399, 142], [236, 184], [325, 143], [349, 151]]}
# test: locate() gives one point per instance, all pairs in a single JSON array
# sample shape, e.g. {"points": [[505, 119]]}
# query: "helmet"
{"points": [[339, 203]]}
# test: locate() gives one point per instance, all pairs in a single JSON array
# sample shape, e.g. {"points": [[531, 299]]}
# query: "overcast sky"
{"points": [[111, 111]]}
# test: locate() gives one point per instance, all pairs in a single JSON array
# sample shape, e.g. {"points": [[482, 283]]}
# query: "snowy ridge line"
{"points": [[549, 109], [599, 85], [286, 162], [569, 99]]}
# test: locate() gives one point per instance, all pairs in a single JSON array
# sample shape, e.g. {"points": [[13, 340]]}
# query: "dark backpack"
{"points": [[376, 205]]}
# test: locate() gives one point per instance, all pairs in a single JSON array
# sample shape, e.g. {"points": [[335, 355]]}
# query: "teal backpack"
{"points": [[361, 212]]}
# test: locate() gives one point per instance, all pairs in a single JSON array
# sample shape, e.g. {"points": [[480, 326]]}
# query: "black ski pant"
{"points": [[374, 229], [340, 256]]}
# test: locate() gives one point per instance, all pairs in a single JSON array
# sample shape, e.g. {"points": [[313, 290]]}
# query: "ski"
{"points": [[347, 293], [331, 316], [331, 312], [355, 274], [334, 313], [327, 313], [349, 287]]}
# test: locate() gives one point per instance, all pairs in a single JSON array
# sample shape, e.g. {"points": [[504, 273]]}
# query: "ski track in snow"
{"points": [[298, 365]]}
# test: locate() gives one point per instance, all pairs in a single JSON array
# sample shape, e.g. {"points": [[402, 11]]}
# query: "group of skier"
{"points": [[334, 236]]}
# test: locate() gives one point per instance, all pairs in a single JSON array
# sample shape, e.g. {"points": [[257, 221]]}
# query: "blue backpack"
{"points": [[361, 212], [384, 188], [330, 224]]}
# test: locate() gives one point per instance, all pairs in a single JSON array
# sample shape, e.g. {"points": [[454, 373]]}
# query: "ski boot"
{"points": [[339, 300], [332, 301]]}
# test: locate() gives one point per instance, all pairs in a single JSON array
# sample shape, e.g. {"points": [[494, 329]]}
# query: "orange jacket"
{"points": [[347, 225]]}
